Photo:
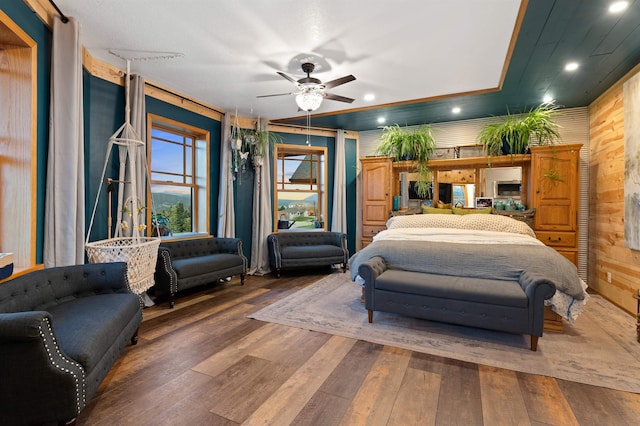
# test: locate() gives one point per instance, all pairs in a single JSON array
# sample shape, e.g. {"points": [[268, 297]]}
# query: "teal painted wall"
{"points": [[104, 114], [24, 17]]}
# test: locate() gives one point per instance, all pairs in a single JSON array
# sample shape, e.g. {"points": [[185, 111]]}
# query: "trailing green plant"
{"points": [[517, 132], [417, 144]]}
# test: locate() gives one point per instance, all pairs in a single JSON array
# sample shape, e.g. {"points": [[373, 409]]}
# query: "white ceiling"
{"points": [[230, 50]]}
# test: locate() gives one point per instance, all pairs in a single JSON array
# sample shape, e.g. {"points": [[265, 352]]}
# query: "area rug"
{"points": [[600, 349]]}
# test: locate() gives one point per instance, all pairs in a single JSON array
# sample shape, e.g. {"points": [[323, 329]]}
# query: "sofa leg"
{"points": [[241, 279], [172, 300], [370, 314], [134, 338], [277, 273], [344, 268], [534, 343]]}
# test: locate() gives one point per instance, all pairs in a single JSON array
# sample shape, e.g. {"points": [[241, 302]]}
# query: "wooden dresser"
{"points": [[377, 195], [554, 181]]}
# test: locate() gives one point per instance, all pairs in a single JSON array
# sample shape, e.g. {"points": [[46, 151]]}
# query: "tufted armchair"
{"points": [[61, 330], [189, 263], [298, 249]]}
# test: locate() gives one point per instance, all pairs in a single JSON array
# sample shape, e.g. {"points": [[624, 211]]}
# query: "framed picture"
{"points": [[484, 202]]}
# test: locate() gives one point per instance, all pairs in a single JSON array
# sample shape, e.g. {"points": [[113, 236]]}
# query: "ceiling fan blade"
{"points": [[287, 77], [338, 98], [277, 94], [339, 81]]}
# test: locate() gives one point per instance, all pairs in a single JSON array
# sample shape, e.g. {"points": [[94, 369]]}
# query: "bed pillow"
{"points": [[481, 222], [472, 211], [435, 210]]}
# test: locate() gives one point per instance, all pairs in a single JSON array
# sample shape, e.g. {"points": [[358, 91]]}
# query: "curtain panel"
{"points": [[64, 219]]}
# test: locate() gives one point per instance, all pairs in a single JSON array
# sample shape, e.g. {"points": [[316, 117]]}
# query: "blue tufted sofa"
{"points": [[511, 306], [189, 263], [61, 330], [297, 249]]}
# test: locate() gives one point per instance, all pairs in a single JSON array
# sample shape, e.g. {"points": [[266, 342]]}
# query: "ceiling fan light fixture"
{"points": [[309, 100]]}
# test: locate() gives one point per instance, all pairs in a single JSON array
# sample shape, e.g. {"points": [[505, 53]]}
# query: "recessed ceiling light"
{"points": [[618, 6], [571, 66], [381, 120], [456, 110], [369, 97]]}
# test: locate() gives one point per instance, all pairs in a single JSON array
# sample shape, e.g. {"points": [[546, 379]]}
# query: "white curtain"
{"points": [[226, 210], [339, 213], [138, 122], [262, 215], [64, 219]]}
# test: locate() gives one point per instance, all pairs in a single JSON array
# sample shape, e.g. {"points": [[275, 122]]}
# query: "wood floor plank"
{"points": [[178, 321], [502, 401], [347, 377], [136, 408], [374, 401], [285, 404], [242, 388], [225, 358], [460, 402], [323, 409], [544, 400], [417, 401], [593, 405]]}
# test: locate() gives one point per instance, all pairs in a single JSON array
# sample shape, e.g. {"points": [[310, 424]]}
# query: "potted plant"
{"points": [[515, 134], [417, 144]]}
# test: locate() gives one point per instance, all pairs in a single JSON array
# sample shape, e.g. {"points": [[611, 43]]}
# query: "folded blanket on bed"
{"points": [[499, 261]]}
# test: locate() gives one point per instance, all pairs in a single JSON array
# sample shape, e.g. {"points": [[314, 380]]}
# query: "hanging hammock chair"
{"points": [[129, 243]]}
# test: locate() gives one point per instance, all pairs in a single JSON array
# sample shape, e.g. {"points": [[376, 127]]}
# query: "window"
{"points": [[178, 157], [300, 187]]}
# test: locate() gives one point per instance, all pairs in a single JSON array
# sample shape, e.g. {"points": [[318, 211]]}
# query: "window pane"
{"points": [[299, 208], [167, 157], [175, 203]]}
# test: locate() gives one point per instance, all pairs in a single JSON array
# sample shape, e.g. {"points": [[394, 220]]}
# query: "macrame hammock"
{"points": [[139, 252]]}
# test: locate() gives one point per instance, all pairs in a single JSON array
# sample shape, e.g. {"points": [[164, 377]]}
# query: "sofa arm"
{"points": [[35, 372], [166, 279], [275, 252], [340, 239], [369, 271], [538, 289]]}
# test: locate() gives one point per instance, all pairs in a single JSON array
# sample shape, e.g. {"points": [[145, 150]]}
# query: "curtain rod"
{"points": [[63, 18]]}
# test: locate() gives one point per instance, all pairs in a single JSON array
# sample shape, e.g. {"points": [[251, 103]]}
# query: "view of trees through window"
{"points": [[173, 179], [300, 199]]}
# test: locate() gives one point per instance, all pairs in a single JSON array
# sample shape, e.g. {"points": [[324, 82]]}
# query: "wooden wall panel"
{"points": [[18, 134], [607, 252]]}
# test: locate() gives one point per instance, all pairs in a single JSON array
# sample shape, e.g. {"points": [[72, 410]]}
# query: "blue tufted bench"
{"points": [[298, 249], [61, 330], [189, 263], [511, 306]]}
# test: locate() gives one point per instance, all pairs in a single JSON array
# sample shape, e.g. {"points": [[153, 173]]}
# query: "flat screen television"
{"points": [[445, 192]]}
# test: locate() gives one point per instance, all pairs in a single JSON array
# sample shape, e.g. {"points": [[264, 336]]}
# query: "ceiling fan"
{"points": [[310, 91]]}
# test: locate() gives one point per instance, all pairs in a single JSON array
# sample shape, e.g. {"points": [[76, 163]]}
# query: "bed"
{"points": [[482, 246]]}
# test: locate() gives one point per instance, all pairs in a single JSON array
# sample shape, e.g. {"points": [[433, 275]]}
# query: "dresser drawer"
{"points": [[557, 238], [370, 231]]}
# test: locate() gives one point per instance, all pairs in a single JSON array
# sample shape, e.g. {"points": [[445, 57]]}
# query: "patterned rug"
{"points": [[600, 349]]}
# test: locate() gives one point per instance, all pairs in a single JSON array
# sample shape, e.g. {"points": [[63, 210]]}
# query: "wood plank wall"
{"points": [[607, 251]]}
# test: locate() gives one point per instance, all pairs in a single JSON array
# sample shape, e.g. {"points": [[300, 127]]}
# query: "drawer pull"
{"points": [[555, 241]]}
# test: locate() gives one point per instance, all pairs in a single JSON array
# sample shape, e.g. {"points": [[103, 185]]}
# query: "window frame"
{"points": [[200, 169], [322, 187]]}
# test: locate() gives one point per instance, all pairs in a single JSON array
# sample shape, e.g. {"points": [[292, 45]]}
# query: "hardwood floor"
{"points": [[205, 363]]}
